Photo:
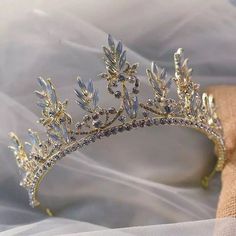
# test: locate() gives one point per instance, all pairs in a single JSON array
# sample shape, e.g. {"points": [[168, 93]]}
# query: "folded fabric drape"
{"points": [[225, 97]]}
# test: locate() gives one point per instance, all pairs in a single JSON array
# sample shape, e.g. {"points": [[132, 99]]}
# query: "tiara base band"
{"points": [[42, 170]]}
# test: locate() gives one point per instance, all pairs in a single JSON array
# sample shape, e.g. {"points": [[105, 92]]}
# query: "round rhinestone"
{"points": [[120, 129], [97, 123], [141, 123], [117, 94], [134, 123], [128, 127], [112, 110], [162, 121], [149, 122], [145, 113], [95, 116]]}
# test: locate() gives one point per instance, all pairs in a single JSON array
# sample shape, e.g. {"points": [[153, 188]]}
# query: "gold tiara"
{"points": [[190, 109]]}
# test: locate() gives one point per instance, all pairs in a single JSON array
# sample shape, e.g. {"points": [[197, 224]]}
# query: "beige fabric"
{"points": [[225, 98]]}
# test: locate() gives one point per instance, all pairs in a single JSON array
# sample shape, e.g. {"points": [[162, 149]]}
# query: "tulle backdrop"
{"points": [[142, 183]]}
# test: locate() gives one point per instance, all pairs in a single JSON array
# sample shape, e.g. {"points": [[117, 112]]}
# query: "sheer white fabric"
{"points": [[141, 183]]}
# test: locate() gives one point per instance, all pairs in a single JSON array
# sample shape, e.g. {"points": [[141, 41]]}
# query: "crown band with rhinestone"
{"points": [[36, 157]]}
